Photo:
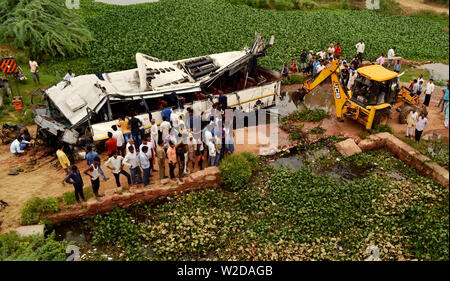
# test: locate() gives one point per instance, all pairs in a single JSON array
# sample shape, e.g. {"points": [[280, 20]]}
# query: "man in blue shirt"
{"points": [[75, 178], [315, 65], [445, 97], [166, 113], [144, 163], [90, 155]]}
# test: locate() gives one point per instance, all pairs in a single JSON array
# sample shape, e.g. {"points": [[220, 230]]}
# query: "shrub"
{"points": [[309, 115], [252, 159], [31, 248], [283, 5], [36, 207], [236, 171], [390, 7]]}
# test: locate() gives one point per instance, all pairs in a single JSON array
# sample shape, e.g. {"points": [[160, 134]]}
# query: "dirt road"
{"points": [[413, 6]]}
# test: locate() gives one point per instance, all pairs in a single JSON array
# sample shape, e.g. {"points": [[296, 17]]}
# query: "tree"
{"points": [[43, 27]]}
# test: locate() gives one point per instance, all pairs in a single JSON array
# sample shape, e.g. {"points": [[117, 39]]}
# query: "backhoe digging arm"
{"points": [[340, 96]]}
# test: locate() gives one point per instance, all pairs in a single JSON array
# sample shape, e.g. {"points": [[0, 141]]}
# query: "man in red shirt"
{"points": [[111, 144], [337, 50]]}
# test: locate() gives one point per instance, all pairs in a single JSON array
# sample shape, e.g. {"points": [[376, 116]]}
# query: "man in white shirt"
{"points": [[174, 119], [331, 51], [322, 54], [351, 80], [320, 67], [420, 78], [212, 153], [207, 134], [117, 134], [115, 164], [360, 47], [149, 145], [165, 128], [154, 131], [34, 69], [129, 143], [411, 122], [428, 91], [69, 75], [132, 162], [421, 123], [390, 55], [16, 146]]}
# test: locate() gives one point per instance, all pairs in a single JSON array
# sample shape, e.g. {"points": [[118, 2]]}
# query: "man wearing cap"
{"points": [[331, 51]]}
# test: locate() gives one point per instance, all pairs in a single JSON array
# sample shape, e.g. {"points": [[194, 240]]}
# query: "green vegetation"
{"points": [[296, 133], [252, 159], [310, 115], [294, 79], [377, 129], [236, 171], [317, 131], [117, 228], [284, 214], [413, 73], [68, 198], [43, 27], [442, 18], [36, 207], [31, 248]]}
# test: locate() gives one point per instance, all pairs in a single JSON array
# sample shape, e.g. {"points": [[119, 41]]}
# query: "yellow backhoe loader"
{"points": [[375, 91]]}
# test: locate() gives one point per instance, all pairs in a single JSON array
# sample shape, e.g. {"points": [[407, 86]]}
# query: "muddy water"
{"points": [[438, 71], [296, 159], [319, 100], [289, 102]]}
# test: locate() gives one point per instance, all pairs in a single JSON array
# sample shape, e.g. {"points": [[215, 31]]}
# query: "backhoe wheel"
{"points": [[382, 116]]}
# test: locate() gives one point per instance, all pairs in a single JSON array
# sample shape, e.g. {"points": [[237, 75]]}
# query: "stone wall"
{"points": [[407, 154], [207, 178]]}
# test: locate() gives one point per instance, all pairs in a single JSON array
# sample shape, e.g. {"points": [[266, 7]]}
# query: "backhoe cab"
{"points": [[375, 91]]}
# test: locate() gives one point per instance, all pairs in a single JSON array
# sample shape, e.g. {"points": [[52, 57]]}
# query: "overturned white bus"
{"points": [[83, 109]]}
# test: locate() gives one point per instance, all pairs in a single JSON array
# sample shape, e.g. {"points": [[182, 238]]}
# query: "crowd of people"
{"points": [[313, 63], [182, 141], [416, 122]]}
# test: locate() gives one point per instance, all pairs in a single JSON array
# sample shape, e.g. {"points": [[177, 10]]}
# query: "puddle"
{"points": [[342, 171], [70, 231], [438, 71]]}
